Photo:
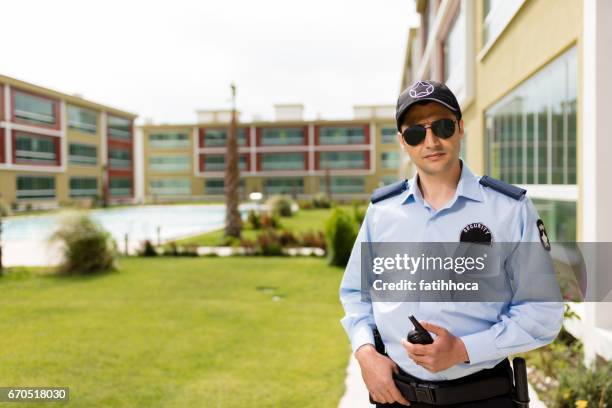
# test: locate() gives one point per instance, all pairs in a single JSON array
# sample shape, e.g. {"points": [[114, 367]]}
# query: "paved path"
{"points": [[356, 394]]}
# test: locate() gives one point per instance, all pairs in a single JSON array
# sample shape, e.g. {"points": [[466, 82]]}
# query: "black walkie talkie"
{"points": [[419, 335]]}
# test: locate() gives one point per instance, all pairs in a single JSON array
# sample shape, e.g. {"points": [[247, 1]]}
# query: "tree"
{"points": [[233, 222]]}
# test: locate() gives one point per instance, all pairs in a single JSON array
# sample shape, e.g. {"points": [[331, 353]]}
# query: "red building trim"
{"points": [[56, 145], [1, 101], [56, 110], [1, 145]]}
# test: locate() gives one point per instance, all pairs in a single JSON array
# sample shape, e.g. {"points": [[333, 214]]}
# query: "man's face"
{"points": [[433, 155]]}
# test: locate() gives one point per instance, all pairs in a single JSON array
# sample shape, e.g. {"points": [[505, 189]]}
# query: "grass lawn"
{"points": [[179, 332], [302, 221]]}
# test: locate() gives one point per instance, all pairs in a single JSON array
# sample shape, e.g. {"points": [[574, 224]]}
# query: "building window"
{"points": [[119, 128], [82, 154], [496, 16], [329, 135], [218, 137], [120, 186], [559, 218], [389, 160], [282, 161], [31, 148], [169, 140], [342, 160], [386, 180], [284, 185], [282, 136], [35, 109], [388, 135], [216, 186], [344, 185], [82, 120], [35, 187], [83, 187], [120, 158], [170, 187], [454, 49], [216, 162], [531, 133], [175, 163]]}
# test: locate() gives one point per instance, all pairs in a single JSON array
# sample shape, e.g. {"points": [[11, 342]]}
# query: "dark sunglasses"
{"points": [[443, 128]]}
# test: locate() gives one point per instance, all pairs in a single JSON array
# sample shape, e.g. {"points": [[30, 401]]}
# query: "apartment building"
{"points": [[532, 77], [345, 158], [57, 148]]}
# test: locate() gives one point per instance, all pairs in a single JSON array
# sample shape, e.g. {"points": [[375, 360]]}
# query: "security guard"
{"points": [[444, 202]]}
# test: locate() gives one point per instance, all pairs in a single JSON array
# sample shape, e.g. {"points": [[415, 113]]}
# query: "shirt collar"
{"points": [[467, 187]]}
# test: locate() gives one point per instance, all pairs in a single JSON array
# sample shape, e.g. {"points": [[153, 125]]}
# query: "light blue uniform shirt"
{"points": [[491, 331]]}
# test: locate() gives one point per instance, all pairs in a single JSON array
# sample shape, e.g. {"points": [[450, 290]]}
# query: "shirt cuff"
{"points": [[480, 346], [362, 335]]}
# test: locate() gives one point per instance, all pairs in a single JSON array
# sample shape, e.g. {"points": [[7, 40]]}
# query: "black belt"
{"points": [[484, 384]]}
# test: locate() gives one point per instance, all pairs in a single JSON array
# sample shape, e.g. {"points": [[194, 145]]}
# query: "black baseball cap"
{"points": [[425, 90]]}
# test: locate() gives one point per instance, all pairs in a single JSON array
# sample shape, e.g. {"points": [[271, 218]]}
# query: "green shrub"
{"points": [[280, 205], [148, 249], [254, 219], [86, 247], [358, 213], [270, 221], [321, 200], [314, 239], [340, 231], [268, 244], [594, 386], [5, 209]]}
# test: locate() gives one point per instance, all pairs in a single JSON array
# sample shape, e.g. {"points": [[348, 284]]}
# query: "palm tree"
{"points": [[233, 222]]}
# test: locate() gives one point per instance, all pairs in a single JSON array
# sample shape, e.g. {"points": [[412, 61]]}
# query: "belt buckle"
{"points": [[424, 393]]}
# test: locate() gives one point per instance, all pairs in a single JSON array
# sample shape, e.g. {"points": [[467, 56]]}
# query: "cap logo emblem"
{"points": [[420, 89]]}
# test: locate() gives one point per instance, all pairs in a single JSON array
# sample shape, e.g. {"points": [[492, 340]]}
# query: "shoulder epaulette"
{"points": [[391, 190], [503, 187]]}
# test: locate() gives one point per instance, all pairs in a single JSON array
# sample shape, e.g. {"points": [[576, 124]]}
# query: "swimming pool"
{"points": [[24, 238]]}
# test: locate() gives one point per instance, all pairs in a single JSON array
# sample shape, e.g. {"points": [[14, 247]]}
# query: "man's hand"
{"points": [[446, 350], [377, 372]]}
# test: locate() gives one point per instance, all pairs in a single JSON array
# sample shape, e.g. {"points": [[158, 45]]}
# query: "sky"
{"points": [[165, 59]]}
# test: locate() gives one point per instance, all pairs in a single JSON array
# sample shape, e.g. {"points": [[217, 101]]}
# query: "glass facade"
{"points": [[218, 137], [216, 162], [388, 135], [82, 120], [344, 185], [174, 163], [120, 158], [284, 185], [559, 219], [120, 186], [531, 133], [171, 186], [169, 140], [282, 136], [389, 160], [35, 187], [454, 47], [282, 161], [83, 187], [216, 186], [82, 154], [329, 135], [497, 14], [33, 148], [119, 128], [35, 109], [342, 160]]}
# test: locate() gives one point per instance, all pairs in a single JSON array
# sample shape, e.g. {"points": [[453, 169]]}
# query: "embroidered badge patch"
{"points": [[476, 232], [543, 235]]}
